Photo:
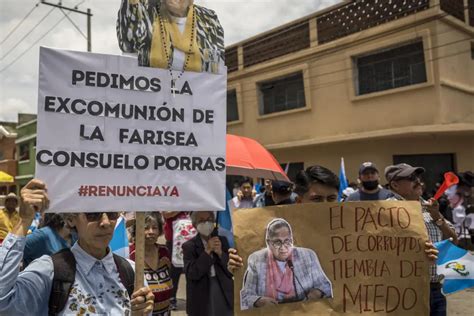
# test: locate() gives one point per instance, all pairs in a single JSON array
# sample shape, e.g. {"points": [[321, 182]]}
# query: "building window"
{"points": [[24, 152], [391, 68], [282, 94], [472, 50], [232, 108]]}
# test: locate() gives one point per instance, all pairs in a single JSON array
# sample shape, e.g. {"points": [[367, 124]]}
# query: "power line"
{"points": [[27, 34], [350, 68], [66, 15], [344, 80], [32, 45], [21, 22], [74, 24]]}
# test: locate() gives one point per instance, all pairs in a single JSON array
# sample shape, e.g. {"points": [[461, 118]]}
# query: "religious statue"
{"points": [[171, 34]]}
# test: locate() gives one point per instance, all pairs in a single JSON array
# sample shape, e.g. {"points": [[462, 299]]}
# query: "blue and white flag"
{"points": [[119, 242], [342, 179], [224, 221], [457, 266]]}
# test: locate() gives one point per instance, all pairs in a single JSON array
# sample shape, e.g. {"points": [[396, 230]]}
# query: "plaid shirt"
{"points": [[306, 267], [435, 234]]}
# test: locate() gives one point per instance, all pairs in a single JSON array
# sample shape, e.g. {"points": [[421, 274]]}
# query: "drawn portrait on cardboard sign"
{"points": [[282, 272], [171, 34]]}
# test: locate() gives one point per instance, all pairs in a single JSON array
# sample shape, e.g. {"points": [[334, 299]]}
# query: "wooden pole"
{"points": [[139, 249]]}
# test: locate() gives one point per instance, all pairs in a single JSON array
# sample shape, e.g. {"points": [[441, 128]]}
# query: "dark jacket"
{"points": [[197, 266]]}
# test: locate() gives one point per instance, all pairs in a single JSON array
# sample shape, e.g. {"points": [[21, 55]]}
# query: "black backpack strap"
{"points": [[126, 273], [64, 265]]}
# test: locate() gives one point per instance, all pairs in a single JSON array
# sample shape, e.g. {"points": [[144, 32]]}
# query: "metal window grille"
{"points": [[392, 68], [282, 94], [232, 108]]}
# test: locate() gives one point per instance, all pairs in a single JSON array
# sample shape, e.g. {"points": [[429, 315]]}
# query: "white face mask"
{"points": [[205, 228]]}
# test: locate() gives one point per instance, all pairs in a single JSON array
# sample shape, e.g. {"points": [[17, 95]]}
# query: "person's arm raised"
{"points": [[33, 198], [25, 292], [235, 261]]}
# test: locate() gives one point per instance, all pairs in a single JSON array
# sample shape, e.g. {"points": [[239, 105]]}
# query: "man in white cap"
{"points": [[9, 216]]}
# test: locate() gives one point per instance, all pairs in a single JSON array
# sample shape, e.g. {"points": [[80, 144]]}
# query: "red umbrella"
{"points": [[246, 157]]}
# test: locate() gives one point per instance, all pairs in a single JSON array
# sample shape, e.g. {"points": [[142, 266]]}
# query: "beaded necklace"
{"points": [[168, 57]]}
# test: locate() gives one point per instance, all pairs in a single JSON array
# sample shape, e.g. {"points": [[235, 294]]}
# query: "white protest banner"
{"points": [[112, 136]]}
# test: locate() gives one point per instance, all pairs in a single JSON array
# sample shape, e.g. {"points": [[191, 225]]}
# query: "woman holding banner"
{"points": [[87, 279], [283, 273]]}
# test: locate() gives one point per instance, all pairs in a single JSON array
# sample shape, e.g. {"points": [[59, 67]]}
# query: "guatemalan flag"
{"points": [[342, 179], [119, 242], [224, 221], [457, 266]]}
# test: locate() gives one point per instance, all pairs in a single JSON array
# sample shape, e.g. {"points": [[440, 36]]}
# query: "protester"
{"points": [[246, 196], [9, 216], [157, 265], [175, 271], [209, 285], [404, 180], [461, 209], [272, 271], [235, 189], [458, 211], [171, 34], [52, 236], [86, 279], [313, 185], [265, 198], [370, 189], [282, 193], [316, 184]]}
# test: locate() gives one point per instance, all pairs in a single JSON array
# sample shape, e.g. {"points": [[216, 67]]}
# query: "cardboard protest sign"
{"points": [[332, 258], [115, 136]]}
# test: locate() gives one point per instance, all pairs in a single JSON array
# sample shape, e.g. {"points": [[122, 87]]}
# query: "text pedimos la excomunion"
{"points": [[78, 106]]}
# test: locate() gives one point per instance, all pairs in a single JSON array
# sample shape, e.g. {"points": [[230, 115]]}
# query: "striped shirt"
{"points": [[159, 281]]}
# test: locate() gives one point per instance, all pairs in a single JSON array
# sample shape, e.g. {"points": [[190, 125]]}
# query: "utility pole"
{"points": [[89, 16]]}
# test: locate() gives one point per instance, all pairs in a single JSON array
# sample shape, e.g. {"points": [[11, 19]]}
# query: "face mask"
{"points": [[205, 228], [370, 185]]}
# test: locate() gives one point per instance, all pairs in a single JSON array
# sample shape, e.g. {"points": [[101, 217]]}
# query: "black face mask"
{"points": [[370, 185]]}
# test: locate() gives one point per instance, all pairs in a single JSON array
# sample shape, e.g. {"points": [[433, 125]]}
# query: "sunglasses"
{"points": [[95, 217]]}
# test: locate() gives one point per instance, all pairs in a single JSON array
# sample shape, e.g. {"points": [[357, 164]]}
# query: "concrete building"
{"points": [[381, 81], [7, 155], [25, 148]]}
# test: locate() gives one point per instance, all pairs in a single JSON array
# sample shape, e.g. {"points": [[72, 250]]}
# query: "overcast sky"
{"points": [[19, 82]]}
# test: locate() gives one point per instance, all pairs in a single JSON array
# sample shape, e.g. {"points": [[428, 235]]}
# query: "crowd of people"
{"points": [[66, 266]]}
